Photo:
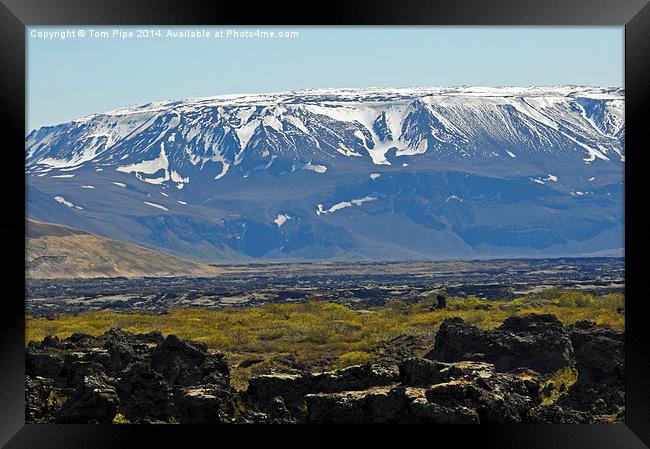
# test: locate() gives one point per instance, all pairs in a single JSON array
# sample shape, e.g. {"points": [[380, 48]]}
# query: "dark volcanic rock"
{"points": [[418, 371], [495, 397], [189, 363], [94, 401], [423, 412], [354, 378], [38, 404], [457, 340], [471, 376], [145, 377], [292, 388], [556, 414], [250, 362], [120, 349], [41, 359], [278, 411], [442, 302], [68, 361], [538, 342], [205, 404], [400, 348], [144, 394], [599, 353], [444, 393], [500, 400], [372, 405], [263, 389]]}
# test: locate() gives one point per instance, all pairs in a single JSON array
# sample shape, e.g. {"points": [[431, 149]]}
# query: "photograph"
{"points": [[324, 224]]}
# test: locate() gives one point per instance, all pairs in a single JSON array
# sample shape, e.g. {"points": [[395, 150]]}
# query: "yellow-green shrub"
{"points": [[120, 419], [553, 388], [312, 329], [353, 358]]}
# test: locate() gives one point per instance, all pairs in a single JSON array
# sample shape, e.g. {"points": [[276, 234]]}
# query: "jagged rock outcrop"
{"points": [[144, 393], [38, 403], [521, 372], [189, 363], [291, 388], [400, 348], [556, 414], [542, 343], [599, 354], [431, 392], [205, 404], [538, 342], [146, 378], [93, 401]]}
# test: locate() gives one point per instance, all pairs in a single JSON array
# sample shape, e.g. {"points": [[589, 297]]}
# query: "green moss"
{"points": [[56, 399], [353, 358], [120, 419], [556, 386]]}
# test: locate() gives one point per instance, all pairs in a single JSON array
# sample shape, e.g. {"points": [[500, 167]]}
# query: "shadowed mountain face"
{"points": [[370, 174], [55, 251]]}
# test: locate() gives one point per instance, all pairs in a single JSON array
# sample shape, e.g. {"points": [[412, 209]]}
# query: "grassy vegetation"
{"points": [[353, 358], [552, 389], [318, 330], [120, 419]]}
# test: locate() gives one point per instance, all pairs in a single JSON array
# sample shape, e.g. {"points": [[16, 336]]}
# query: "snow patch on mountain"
{"points": [[543, 180], [148, 167], [453, 197], [343, 205], [314, 167], [158, 206], [61, 200], [281, 219]]}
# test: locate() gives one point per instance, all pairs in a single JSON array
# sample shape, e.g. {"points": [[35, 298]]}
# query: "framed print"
{"points": [[385, 214]]}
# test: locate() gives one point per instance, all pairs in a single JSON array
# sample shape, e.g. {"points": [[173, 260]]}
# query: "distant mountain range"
{"points": [[344, 174], [59, 252]]}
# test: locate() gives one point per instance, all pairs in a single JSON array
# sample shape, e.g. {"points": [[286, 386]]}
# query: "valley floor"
{"points": [[550, 357], [354, 284], [320, 335]]}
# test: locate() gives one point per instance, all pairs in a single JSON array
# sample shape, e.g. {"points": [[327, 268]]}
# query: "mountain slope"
{"points": [[55, 251], [344, 174]]}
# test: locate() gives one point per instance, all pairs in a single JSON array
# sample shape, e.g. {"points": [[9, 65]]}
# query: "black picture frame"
{"points": [[15, 15]]}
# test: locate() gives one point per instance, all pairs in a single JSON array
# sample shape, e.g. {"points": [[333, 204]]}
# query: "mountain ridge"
{"points": [[61, 252], [368, 174]]}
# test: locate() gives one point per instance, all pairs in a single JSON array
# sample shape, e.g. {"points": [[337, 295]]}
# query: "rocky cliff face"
{"points": [[523, 372]]}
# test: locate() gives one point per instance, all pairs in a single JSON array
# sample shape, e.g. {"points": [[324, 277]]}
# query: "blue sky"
{"points": [[75, 77]]}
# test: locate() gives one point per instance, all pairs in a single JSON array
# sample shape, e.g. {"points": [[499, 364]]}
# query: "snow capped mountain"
{"points": [[240, 165], [290, 130]]}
